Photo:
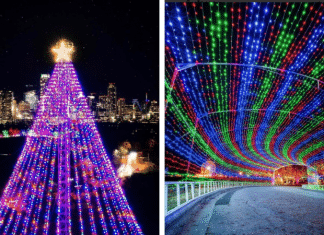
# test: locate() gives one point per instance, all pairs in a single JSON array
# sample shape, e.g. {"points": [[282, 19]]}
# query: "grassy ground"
{"points": [[314, 187]]}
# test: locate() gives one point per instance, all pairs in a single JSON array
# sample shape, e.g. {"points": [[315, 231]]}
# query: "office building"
{"points": [[6, 106], [43, 81], [112, 100], [121, 107]]}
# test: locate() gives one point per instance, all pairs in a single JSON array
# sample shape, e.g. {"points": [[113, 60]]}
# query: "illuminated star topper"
{"points": [[63, 51]]}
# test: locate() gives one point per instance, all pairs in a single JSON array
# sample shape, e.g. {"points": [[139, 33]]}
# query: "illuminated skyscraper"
{"points": [[154, 108], [91, 100], [102, 107], [1, 105], [153, 113], [43, 80], [14, 110], [24, 111], [121, 107], [128, 112], [6, 105], [137, 110], [112, 100]]}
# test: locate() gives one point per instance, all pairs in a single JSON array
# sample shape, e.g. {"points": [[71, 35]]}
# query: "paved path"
{"points": [[255, 210]]}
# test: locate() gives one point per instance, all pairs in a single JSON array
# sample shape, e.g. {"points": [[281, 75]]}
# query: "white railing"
{"points": [[178, 194], [313, 186]]}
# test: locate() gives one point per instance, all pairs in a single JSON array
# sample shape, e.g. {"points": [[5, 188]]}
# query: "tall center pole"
{"points": [[64, 218]]}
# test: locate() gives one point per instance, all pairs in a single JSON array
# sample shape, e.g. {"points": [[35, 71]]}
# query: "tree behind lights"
{"points": [[63, 182]]}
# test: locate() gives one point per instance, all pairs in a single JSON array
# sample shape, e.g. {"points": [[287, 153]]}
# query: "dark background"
{"points": [[115, 41]]}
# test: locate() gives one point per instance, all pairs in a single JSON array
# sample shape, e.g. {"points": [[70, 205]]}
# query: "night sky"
{"points": [[115, 41]]}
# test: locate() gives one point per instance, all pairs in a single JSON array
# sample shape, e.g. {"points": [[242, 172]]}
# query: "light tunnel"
{"points": [[244, 88]]}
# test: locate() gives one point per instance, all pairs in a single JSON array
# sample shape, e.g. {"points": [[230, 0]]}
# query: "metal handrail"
{"points": [[189, 191]]}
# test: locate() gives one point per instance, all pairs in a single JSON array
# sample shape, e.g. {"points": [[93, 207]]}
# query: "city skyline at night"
{"points": [[105, 107]]}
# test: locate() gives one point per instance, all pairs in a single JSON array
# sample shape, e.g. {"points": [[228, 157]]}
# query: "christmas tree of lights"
{"points": [[63, 182]]}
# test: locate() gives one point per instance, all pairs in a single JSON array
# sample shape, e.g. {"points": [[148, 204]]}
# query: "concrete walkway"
{"points": [[255, 210]]}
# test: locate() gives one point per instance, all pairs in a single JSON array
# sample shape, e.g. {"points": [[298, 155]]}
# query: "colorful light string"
{"points": [[64, 182], [244, 86]]}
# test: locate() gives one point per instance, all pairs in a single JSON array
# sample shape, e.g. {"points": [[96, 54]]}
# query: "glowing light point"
{"points": [[63, 51]]}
